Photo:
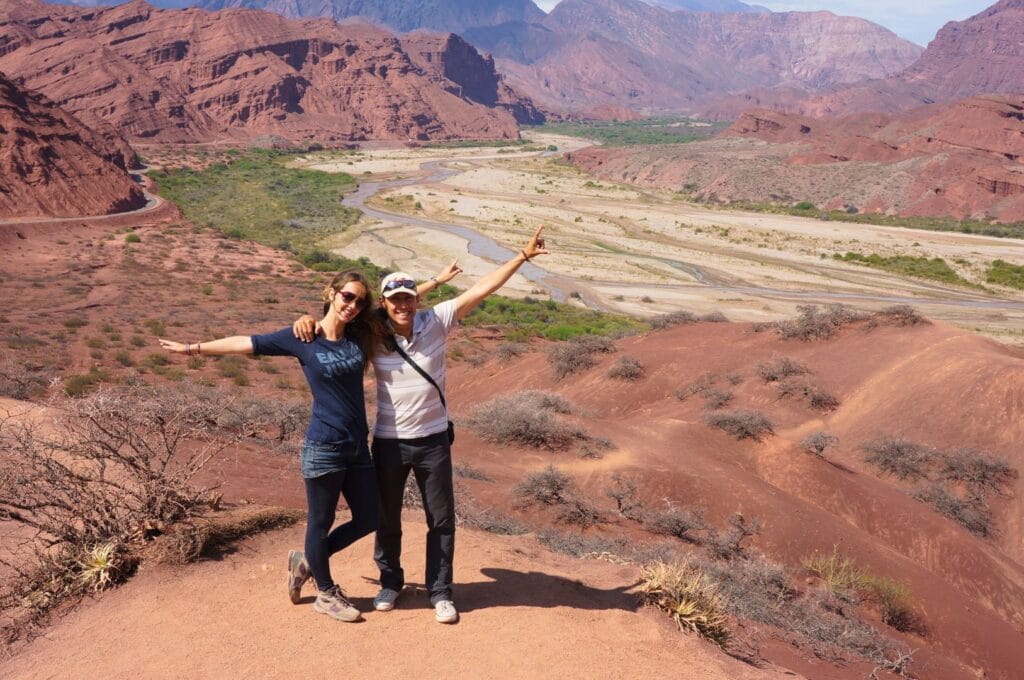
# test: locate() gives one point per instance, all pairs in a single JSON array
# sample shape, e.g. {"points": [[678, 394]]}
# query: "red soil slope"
{"points": [[192, 75], [933, 385], [52, 165]]}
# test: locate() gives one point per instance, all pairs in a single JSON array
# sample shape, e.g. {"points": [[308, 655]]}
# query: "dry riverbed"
{"points": [[645, 252]]}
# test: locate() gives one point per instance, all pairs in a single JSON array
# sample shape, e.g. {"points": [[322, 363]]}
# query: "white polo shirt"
{"points": [[407, 405]]}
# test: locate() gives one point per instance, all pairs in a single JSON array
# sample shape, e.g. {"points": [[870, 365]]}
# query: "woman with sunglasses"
{"points": [[335, 459]]}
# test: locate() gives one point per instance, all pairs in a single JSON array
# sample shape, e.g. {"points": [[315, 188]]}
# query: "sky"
{"points": [[915, 20]]}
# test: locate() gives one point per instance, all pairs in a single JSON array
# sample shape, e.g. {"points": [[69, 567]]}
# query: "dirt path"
{"points": [[526, 613]]}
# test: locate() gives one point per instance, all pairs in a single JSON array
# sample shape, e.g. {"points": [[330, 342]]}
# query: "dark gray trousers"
{"points": [[430, 460]]}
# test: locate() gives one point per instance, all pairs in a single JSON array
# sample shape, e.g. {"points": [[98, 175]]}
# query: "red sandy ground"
{"points": [[527, 612]]}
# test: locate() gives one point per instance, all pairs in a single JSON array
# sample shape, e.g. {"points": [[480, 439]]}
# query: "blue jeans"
{"points": [[356, 481]]}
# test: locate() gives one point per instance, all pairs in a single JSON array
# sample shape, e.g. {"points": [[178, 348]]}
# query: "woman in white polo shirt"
{"points": [[411, 432]]}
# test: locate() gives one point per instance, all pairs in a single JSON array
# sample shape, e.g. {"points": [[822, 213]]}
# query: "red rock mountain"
{"points": [[192, 75], [52, 165], [980, 55], [456, 66], [626, 52], [960, 160]]}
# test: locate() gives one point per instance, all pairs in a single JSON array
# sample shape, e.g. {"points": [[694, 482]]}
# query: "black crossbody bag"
{"points": [[451, 425]]}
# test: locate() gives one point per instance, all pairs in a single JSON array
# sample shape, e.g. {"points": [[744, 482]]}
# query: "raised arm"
{"points": [[236, 344], [444, 276], [489, 283]]}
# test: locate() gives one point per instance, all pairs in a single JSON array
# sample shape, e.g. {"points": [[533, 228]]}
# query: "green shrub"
{"points": [[1005, 274], [132, 237]]}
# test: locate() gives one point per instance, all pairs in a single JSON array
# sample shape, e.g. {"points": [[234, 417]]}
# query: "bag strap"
{"points": [[422, 372]]}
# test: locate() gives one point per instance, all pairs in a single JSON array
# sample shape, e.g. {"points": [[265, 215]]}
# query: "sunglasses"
{"points": [[348, 298], [400, 283]]}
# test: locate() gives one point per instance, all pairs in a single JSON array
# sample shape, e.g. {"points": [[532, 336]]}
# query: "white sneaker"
{"points": [[385, 600], [445, 612]]}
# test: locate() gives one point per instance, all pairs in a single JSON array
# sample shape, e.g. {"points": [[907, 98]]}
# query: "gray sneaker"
{"points": [[385, 600], [298, 573], [445, 612], [333, 603]]}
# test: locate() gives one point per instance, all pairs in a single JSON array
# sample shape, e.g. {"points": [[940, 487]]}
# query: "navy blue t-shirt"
{"points": [[334, 371]]}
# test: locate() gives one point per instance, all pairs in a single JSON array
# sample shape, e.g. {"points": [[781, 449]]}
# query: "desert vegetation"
{"points": [[741, 424], [530, 418], [933, 269], [577, 355], [629, 132], [958, 484], [120, 471]]}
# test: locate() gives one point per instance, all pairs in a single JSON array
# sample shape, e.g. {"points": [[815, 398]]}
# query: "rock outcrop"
{"points": [[959, 160], [457, 66], [983, 54], [51, 165], [192, 75]]}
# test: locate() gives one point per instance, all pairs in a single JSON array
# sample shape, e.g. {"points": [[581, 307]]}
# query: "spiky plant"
{"points": [[688, 596], [100, 566]]}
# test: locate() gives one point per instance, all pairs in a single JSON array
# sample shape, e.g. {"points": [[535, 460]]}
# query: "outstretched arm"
{"points": [[236, 344], [466, 302]]}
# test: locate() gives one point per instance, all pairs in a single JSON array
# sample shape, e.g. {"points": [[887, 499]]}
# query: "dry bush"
{"points": [[550, 486], [972, 513], [627, 368], [207, 536], [411, 496], [577, 354], [624, 492], [488, 519], [901, 315], [578, 545], [716, 399], [781, 368], [525, 418], [507, 351], [703, 384], [118, 471], [679, 318], [23, 380], [759, 590], [958, 483], [816, 398], [728, 544], [581, 513], [674, 521], [819, 442], [467, 471], [900, 458], [741, 424], [815, 324], [688, 596], [714, 317], [980, 472]]}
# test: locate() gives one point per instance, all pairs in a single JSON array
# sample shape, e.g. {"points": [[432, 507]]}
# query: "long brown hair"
{"points": [[366, 328]]}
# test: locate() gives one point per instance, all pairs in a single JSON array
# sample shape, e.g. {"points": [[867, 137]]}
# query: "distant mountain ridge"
{"points": [[983, 54], [589, 53], [192, 75]]}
